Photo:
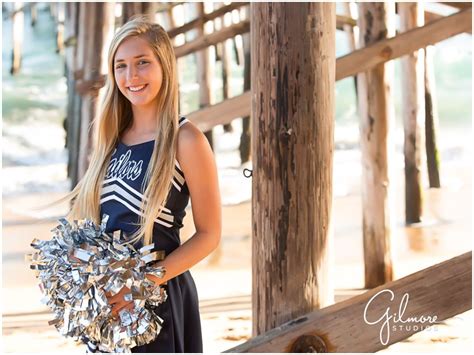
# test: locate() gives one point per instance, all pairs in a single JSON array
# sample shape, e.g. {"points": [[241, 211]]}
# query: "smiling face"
{"points": [[138, 73]]}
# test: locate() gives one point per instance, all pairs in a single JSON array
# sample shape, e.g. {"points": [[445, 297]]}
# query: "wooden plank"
{"points": [[222, 112], [213, 38], [431, 16], [459, 5], [442, 290], [204, 18], [349, 65], [404, 43], [344, 20]]}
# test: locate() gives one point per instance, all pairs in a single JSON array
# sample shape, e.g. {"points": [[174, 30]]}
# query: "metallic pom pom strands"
{"points": [[79, 265]]}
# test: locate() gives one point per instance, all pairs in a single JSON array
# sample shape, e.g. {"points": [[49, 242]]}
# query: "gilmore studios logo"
{"points": [[391, 318]]}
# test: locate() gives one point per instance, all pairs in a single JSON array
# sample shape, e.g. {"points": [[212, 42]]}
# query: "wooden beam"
{"points": [[431, 16], [206, 17], [402, 44], [166, 7], [221, 113], [364, 59], [442, 290], [213, 38], [342, 20], [459, 5]]}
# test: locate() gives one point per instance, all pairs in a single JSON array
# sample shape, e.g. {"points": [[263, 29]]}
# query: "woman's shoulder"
{"points": [[189, 134], [191, 141]]}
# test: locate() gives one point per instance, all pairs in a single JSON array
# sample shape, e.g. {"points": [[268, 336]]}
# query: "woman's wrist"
{"points": [[155, 279]]}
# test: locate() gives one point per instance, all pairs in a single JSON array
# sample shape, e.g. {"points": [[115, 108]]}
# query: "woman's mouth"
{"points": [[137, 88]]}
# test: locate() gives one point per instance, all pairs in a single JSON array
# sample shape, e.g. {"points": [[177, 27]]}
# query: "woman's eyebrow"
{"points": [[138, 56]]}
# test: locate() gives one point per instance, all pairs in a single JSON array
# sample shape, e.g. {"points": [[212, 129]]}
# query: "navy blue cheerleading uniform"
{"points": [[121, 197]]}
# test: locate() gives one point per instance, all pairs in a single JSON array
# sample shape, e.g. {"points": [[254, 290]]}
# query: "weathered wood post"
{"points": [[204, 78], [293, 78], [73, 121], [224, 49], [376, 111], [59, 17], [349, 10], [95, 21], [133, 8], [245, 144], [431, 120], [411, 16], [17, 33], [34, 14]]}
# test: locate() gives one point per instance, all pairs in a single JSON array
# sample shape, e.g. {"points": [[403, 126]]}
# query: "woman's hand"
{"points": [[156, 280], [118, 302]]}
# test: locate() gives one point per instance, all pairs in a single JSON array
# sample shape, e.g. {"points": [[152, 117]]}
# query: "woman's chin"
{"points": [[139, 102]]}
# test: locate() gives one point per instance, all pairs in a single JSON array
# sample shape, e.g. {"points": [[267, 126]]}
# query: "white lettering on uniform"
{"points": [[124, 167]]}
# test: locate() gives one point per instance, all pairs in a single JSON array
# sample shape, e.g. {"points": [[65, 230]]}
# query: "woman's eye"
{"points": [[141, 61]]}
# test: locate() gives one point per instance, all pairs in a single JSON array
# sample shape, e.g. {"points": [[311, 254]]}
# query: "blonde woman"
{"points": [[147, 162]]}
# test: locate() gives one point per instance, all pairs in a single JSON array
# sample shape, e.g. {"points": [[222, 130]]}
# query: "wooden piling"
{"points": [[293, 76], [431, 121], [95, 21], [73, 119], [349, 10], [59, 16], [245, 142], [204, 76], [412, 16], [226, 62], [376, 111], [17, 33], [34, 14], [133, 8]]}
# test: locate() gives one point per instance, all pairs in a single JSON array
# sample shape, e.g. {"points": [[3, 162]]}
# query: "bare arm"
{"points": [[197, 162]]}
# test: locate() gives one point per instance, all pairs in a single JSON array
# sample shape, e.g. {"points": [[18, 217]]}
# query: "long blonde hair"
{"points": [[115, 115]]}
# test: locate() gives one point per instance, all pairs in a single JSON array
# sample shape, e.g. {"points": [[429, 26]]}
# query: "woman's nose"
{"points": [[131, 73]]}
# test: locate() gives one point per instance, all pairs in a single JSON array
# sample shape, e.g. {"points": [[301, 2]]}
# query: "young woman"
{"points": [[146, 164]]}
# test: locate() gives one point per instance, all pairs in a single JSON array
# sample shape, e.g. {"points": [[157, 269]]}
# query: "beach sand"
{"points": [[224, 277]]}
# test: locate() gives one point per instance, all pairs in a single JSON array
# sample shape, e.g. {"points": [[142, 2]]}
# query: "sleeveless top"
{"points": [[122, 195]]}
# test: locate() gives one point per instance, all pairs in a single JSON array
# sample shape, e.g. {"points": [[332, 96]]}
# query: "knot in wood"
{"points": [[309, 344], [286, 133], [386, 52]]}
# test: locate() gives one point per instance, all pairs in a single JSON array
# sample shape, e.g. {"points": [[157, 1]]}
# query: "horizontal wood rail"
{"points": [[458, 5], [407, 42], [207, 17], [360, 60], [442, 291], [212, 38]]}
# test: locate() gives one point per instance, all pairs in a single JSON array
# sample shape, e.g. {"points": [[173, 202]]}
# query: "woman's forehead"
{"points": [[132, 47]]}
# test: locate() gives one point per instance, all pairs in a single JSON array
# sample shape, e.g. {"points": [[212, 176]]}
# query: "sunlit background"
{"points": [[35, 168]]}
